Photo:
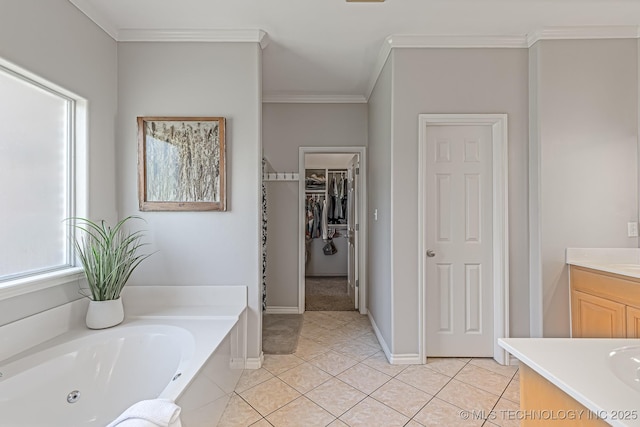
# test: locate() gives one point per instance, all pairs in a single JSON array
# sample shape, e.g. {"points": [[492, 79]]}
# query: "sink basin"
{"points": [[625, 364]]}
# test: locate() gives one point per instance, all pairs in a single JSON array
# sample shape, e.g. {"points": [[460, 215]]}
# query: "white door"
{"points": [[459, 256], [353, 175]]}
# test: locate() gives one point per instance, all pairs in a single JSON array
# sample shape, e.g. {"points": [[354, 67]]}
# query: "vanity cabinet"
{"points": [[633, 322], [596, 317], [604, 305]]}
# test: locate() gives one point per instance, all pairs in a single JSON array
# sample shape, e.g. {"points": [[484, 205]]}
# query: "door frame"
{"points": [[498, 123], [362, 232]]}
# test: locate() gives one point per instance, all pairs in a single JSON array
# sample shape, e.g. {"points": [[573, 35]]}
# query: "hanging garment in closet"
{"points": [[325, 221], [332, 191], [337, 207]]}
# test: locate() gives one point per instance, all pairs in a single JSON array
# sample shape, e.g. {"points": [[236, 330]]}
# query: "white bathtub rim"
{"points": [[190, 364]]}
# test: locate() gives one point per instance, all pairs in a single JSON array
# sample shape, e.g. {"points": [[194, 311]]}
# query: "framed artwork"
{"points": [[181, 164]]}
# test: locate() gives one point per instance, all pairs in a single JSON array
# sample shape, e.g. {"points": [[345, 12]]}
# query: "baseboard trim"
{"points": [[254, 362], [406, 359], [281, 310], [237, 363], [394, 359], [381, 340]]}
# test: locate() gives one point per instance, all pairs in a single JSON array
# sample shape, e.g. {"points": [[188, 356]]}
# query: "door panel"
{"points": [[352, 229], [459, 275]]}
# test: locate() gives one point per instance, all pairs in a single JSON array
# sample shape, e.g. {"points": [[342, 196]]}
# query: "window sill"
{"points": [[25, 285]]}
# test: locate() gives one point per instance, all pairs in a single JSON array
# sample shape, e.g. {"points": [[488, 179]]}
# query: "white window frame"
{"points": [[77, 182]]}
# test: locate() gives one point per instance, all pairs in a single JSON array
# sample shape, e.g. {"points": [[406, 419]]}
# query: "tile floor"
{"points": [[339, 376]]}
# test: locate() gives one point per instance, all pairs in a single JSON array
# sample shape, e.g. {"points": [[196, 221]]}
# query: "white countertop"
{"points": [[623, 261], [580, 368]]}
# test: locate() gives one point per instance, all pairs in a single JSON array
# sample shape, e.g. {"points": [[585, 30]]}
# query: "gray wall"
{"points": [[586, 138], [445, 81], [285, 128], [379, 198], [55, 41], [198, 79]]}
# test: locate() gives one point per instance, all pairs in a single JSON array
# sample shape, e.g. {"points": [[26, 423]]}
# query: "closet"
{"points": [[330, 254], [326, 212]]}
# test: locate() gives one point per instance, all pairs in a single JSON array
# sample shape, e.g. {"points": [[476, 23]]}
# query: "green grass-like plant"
{"points": [[108, 255]]}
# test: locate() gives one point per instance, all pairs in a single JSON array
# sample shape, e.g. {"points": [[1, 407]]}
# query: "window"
{"points": [[36, 176]]}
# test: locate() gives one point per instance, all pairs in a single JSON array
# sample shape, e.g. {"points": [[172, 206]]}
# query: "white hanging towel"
{"points": [[150, 413]]}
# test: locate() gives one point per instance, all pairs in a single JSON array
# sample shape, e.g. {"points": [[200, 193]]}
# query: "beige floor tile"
{"points": [[369, 338], [493, 366], [449, 366], [379, 362], [311, 330], [423, 378], [316, 316], [336, 396], [402, 397], [438, 413], [262, 423], [333, 363], [346, 316], [278, 363], [304, 377], [331, 323], [370, 413], [269, 396], [330, 338], [355, 349], [337, 423], [413, 423], [512, 392], [505, 414], [238, 413], [483, 379], [252, 377], [308, 349], [467, 397], [364, 378], [300, 412]]}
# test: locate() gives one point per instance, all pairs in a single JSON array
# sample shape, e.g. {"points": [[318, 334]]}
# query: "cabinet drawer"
{"points": [[611, 286]]}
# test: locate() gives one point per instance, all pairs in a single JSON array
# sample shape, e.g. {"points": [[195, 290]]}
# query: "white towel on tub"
{"points": [[149, 413]]}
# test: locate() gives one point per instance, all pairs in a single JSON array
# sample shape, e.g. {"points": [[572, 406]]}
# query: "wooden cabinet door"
{"points": [[633, 322], [595, 317]]}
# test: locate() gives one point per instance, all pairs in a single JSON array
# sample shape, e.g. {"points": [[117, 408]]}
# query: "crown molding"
{"points": [[582, 33], [456, 41], [85, 7], [285, 98], [522, 42], [203, 35], [400, 41]]}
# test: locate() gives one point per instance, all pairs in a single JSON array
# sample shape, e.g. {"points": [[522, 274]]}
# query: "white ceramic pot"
{"points": [[104, 314]]}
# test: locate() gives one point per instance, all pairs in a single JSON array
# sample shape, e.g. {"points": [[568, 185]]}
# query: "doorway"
{"points": [[332, 237], [463, 235]]}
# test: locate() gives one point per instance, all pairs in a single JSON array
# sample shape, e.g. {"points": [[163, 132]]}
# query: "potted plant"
{"points": [[108, 255]]}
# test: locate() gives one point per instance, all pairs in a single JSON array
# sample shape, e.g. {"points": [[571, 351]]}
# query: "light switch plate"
{"points": [[632, 229]]}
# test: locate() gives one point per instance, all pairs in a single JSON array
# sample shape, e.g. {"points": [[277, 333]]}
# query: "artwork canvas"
{"points": [[181, 163]]}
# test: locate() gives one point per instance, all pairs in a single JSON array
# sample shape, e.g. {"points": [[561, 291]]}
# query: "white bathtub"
{"points": [[87, 378]]}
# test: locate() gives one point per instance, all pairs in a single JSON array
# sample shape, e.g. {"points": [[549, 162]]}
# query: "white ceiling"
{"points": [[330, 49]]}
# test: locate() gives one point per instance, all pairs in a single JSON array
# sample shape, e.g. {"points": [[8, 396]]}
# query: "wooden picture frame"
{"points": [[181, 164]]}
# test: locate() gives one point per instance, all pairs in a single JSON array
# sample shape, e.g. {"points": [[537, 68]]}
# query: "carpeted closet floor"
{"points": [[327, 294]]}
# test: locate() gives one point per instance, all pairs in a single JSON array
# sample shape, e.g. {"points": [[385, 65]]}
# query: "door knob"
{"points": [[430, 253]]}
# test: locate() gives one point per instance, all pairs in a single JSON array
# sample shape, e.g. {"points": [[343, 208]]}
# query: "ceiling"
{"points": [[331, 50]]}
